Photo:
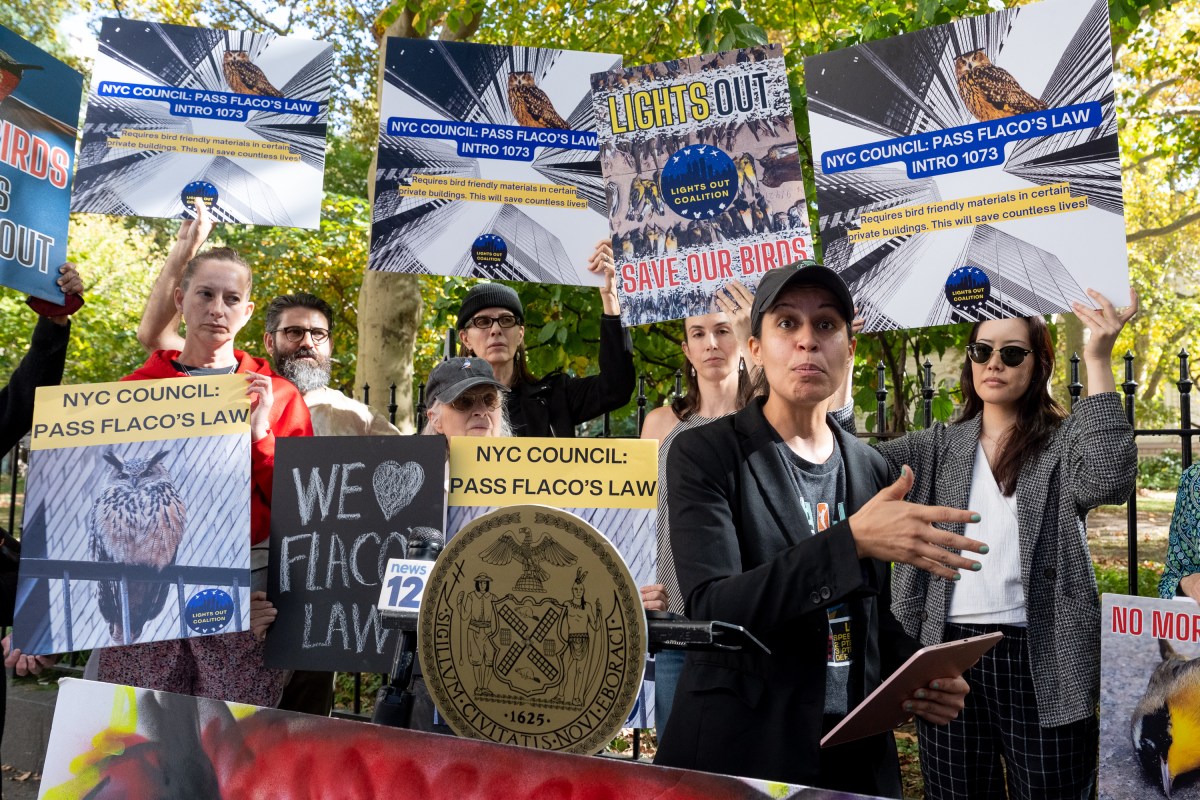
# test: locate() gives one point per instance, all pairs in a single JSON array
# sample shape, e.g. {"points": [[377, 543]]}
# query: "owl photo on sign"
{"points": [[139, 518], [244, 77], [529, 105], [990, 92]]}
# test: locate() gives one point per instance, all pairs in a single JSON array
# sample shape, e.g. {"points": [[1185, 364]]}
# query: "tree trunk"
{"points": [[389, 307], [389, 304], [1168, 362], [895, 368]]}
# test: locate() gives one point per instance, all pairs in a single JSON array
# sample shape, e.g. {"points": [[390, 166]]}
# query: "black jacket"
{"points": [[42, 365], [557, 403], [745, 554]]}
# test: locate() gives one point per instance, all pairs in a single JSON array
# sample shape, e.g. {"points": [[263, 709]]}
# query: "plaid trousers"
{"points": [[962, 760]]}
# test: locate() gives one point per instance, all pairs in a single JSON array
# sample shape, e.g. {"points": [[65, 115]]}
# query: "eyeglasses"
{"points": [[485, 323], [1012, 356], [467, 402], [295, 333]]}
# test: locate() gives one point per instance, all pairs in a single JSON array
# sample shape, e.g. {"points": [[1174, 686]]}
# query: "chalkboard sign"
{"points": [[342, 507]]}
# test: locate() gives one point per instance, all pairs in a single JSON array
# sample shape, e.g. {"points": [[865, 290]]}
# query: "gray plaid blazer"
{"points": [[1090, 460]]}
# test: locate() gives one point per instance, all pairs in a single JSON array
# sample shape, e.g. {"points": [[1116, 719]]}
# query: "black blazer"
{"points": [[745, 554]]}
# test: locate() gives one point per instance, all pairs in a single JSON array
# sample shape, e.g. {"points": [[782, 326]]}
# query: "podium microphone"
{"points": [[394, 704], [424, 544]]}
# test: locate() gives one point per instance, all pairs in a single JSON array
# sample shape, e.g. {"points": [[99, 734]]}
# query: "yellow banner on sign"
{"points": [[564, 473], [984, 209], [450, 187], [198, 144], [139, 411]]}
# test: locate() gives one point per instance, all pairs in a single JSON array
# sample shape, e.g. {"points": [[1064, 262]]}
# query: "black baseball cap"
{"points": [[801, 273], [454, 376]]}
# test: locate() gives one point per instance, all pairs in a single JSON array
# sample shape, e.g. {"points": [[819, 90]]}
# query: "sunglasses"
{"points": [[485, 323], [295, 333], [1011, 356], [467, 402]]}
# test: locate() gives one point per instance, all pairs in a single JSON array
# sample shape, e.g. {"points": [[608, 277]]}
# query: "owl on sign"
{"points": [[990, 92], [244, 76], [139, 518], [530, 106]]}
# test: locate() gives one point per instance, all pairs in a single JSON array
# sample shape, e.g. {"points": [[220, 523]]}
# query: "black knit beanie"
{"points": [[489, 295]]}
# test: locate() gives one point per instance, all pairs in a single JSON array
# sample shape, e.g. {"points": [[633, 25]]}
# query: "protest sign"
{"points": [[234, 118], [39, 112], [116, 740], [488, 163], [1149, 689], [970, 170], [702, 172], [137, 514], [342, 507], [610, 483]]}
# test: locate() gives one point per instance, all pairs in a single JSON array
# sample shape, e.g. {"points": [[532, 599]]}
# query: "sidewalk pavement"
{"points": [[29, 712]]}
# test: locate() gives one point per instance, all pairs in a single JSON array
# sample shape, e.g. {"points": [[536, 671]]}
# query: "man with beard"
{"points": [[298, 337]]}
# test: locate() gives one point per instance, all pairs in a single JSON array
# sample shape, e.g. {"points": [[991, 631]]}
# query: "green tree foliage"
{"points": [[1158, 92]]}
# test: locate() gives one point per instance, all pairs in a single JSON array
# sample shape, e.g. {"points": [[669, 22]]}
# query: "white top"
{"points": [[994, 595]]}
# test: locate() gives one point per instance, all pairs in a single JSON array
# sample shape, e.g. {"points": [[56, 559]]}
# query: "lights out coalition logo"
{"points": [[489, 250], [968, 288], [699, 182], [203, 191], [209, 611]]}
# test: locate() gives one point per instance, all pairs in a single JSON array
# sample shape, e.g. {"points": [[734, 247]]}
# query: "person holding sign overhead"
{"points": [[42, 365], [213, 298], [784, 524], [1034, 472], [491, 325]]}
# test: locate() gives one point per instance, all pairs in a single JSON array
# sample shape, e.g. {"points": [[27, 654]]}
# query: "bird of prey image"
{"points": [[244, 77], [139, 518], [530, 555], [990, 92], [530, 106]]}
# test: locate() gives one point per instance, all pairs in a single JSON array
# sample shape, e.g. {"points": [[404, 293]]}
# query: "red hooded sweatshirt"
{"points": [[289, 417]]}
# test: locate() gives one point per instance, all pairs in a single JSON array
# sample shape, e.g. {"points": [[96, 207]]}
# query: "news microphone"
{"points": [[424, 544], [394, 703]]}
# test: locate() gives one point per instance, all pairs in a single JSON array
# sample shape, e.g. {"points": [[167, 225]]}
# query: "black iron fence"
{"points": [[1128, 387]]}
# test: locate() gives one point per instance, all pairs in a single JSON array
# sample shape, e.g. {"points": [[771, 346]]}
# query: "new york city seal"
{"points": [[532, 632]]}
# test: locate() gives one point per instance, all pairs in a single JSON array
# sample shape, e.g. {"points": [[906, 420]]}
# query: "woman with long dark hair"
{"points": [[1032, 471], [717, 384]]}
